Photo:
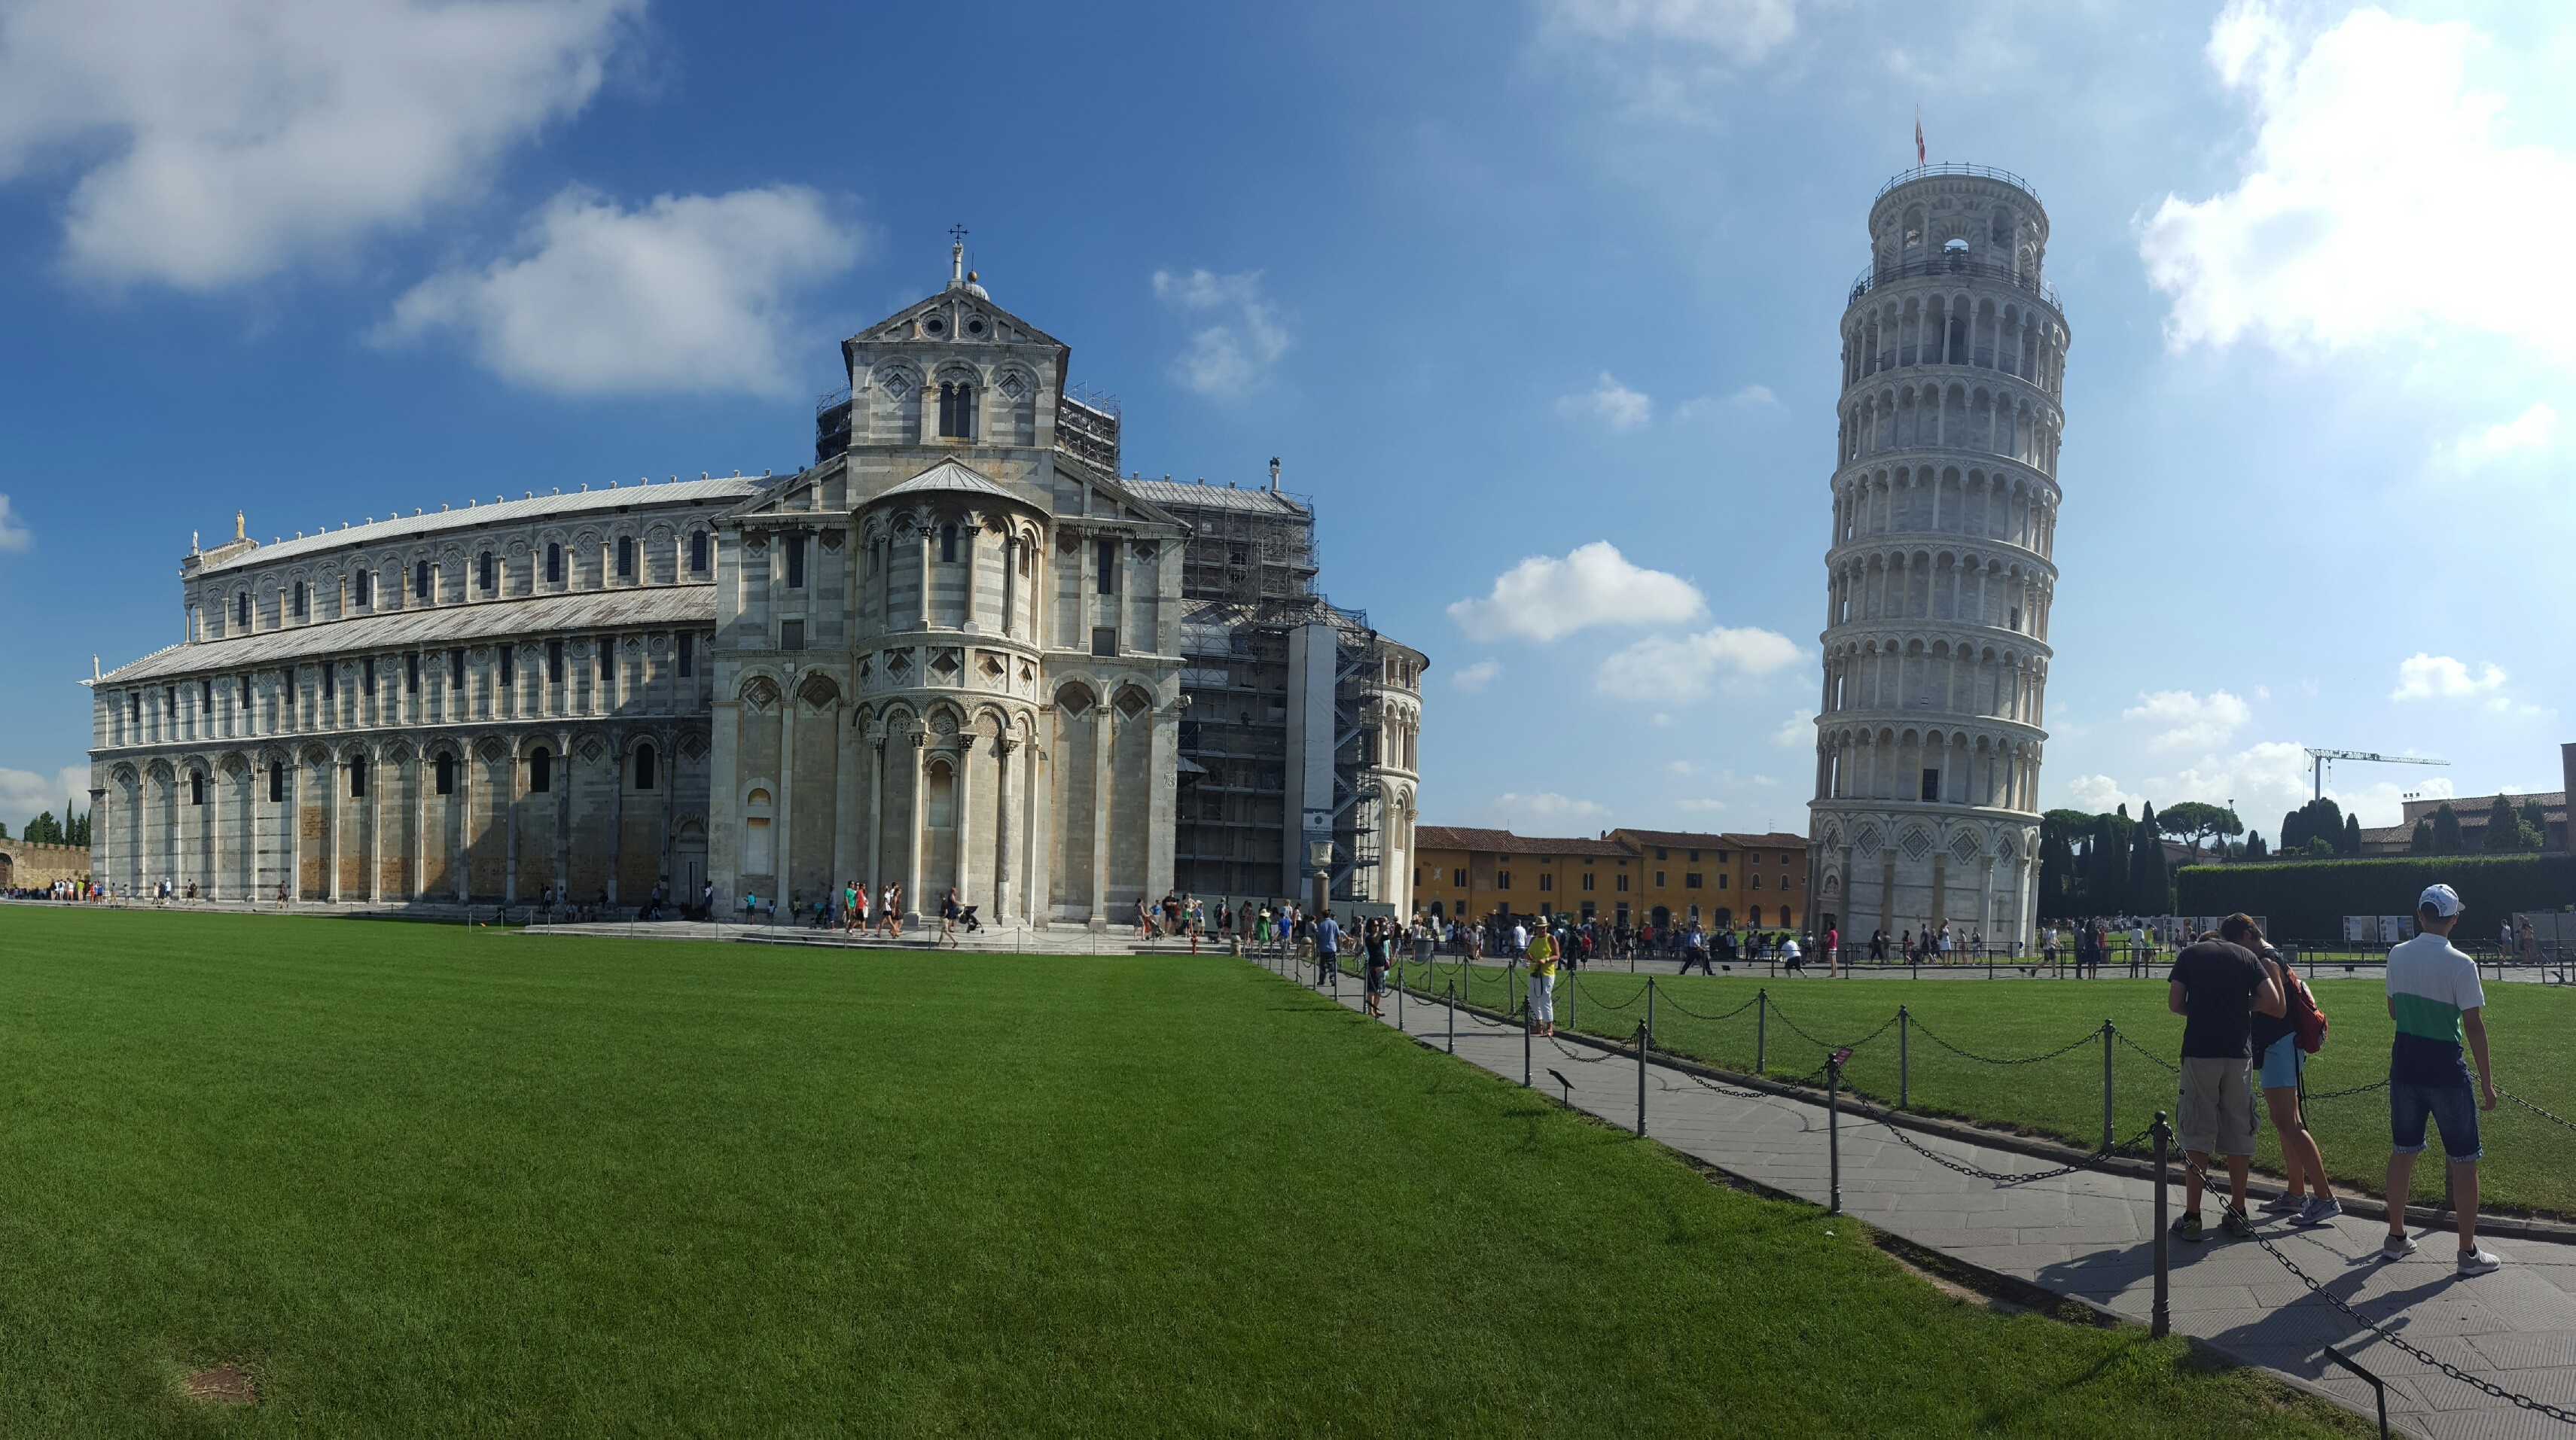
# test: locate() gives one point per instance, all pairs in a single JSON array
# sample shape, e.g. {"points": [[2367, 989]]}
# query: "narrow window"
{"points": [[688, 653], [791, 634], [134, 708], [644, 767], [370, 665], [483, 571], [795, 562], [276, 783], [1108, 567], [607, 659], [196, 787], [554, 563], [358, 777], [364, 582], [554, 662], [947, 544], [509, 666], [206, 696], [420, 579], [245, 692], [170, 701], [1104, 640], [1931, 784], [541, 771], [625, 557], [446, 774], [455, 669], [956, 410], [697, 552], [411, 673], [330, 674], [241, 608], [299, 599]]}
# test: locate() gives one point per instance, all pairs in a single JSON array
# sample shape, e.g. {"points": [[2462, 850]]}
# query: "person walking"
{"points": [[1328, 946], [2275, 1042], [949, 910], [2437, 1004], [890, 911], [1542, 982], [1375, 965], [1695, 952], [2217, 987]]}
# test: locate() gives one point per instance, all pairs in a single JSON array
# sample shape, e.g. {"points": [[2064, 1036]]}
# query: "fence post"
{"points": [[2107, 1139], [1650, 1007], [1641, 1078], [2161, 1320], [1761, 1029], [1453, 1017], [1529, 1026], [1399, 995], [1569, 1001], [1904, 1056], [1834, 1127]]}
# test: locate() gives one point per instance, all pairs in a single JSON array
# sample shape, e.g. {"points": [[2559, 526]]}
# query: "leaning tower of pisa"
{"points": [[1939, 578]]}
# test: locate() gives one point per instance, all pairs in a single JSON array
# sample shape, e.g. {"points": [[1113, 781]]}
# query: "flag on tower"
{"points": [[1919, 161]]}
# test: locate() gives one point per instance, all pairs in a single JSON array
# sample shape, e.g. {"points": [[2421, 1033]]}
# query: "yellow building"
{"points": [[1725, 881]]}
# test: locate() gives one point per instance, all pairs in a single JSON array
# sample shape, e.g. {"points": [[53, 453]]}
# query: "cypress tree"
{"points": [[2446, 831], [2150, 892], [2422, 841], [2352, 835], [2504, 828], [2106, 872]]}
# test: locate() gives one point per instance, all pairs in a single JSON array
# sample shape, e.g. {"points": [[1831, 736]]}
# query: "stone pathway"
{"points": [[2090, 1236]]}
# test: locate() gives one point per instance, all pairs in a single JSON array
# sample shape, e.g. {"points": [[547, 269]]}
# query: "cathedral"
{"points": [[955, 652]]}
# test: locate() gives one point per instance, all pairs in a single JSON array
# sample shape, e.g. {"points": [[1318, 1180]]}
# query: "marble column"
{"points": [[876, 816], [1100, 806], [464, 808], [214, 832], [331, 770], [786, 861], [963, 811], [1003, 860], [619, 773], [375, 824], [508, 800], [920, 818]]}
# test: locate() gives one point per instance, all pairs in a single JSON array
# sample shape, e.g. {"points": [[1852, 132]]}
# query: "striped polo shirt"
{"points": [[2429, 985]]}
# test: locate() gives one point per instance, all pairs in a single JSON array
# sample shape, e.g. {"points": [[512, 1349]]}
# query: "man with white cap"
{"points": [[2436, 1001]]}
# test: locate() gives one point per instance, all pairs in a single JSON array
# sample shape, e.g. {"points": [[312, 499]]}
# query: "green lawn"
{"points": [[432, 1181], [2530, 1163]]}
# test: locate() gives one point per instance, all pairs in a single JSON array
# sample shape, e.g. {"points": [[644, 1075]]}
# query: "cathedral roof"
{"points": [[433, 627], [475, 517], [1212, 497], [950, 477]]}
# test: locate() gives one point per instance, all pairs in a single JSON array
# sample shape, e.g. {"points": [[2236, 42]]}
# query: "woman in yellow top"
{"points": [[1542, 986]]}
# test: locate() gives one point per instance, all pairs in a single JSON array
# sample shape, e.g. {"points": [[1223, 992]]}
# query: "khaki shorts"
{"points": [[2216, 1113]]}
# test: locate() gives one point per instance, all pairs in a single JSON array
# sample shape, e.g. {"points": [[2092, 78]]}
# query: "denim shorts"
{"points": [[2281, 1064], [2453, 1108]]}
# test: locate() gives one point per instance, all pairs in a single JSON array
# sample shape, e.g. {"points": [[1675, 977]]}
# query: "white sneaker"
{"points": [[2396, 1247], [2479, 1262]]}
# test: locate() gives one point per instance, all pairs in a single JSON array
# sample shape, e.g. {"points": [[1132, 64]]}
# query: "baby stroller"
{"points": [[966, 920]]}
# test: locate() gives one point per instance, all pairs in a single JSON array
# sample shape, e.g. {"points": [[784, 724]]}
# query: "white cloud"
{"points": [[1616, 406], [1476, 676], [1796, 732], [687, 294], [2426, 677], [2383, 196], [24, 794], [2523, 437], [1742, 30], [1750, 399], [1547, 807], [1231, 356], [1544, 597], [1689, 807], [2185, 720], [1660, 667], [222, 140], [1681, 767], [2099, 794], [13, 534]]}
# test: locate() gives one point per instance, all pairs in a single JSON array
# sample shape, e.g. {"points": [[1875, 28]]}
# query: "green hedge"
{"points": [[2307, 899]]}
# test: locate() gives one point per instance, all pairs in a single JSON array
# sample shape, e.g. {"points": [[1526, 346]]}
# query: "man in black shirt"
{"points": [[2216, 987]]}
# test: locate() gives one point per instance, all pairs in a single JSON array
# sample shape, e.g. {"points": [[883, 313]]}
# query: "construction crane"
{"points": [[2322, 756]]}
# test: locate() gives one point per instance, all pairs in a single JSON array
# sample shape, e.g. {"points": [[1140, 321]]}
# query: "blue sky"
{"points": [[1538, 302]]}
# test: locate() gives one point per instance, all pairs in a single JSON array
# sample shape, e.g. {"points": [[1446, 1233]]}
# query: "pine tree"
{"points": [[2352, 835], [2150, 891], [2422, 841], [2504, 828], [2255, 849], [2446, 831]]}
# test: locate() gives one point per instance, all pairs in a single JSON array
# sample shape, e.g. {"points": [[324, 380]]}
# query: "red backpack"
{"points": [[2304, 1010]]}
